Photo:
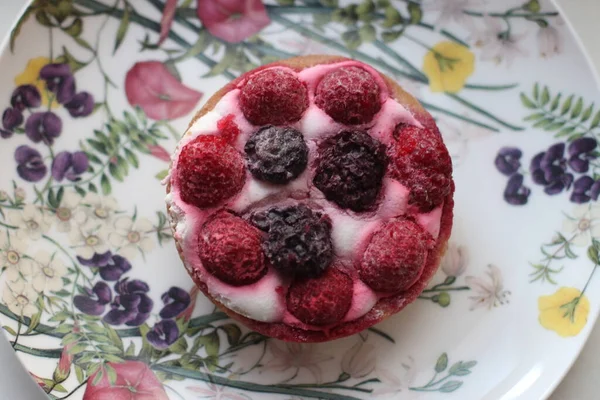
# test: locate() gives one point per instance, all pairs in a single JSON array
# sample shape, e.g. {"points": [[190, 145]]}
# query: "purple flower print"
{"points": [[507, 160], [94, 301], [516, 193], [60, 81], [549, 169], [81, 105], [11, 118], [176, 301], [111, 266], [30, 165], [43, 126], [69, 165], [132, 306], [163, 334], [585, 189], [25, 96], [580, 154]]}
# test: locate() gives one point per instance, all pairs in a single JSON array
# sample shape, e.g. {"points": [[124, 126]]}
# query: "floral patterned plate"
{"points": [[95, 302]]}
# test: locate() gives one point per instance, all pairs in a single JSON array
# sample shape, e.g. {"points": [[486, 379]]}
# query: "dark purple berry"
{"points": [[276, 154], [507, 160], [582, 145], [298, 239], [350, 170], [537, 174], [515, 193], [11, 118], [25, 96]]}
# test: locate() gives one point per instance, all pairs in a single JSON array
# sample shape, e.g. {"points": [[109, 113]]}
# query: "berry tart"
{"points": [[311, 198]]}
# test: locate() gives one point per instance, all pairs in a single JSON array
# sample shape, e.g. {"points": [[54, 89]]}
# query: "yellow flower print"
{"points": [[448, 65], [565, 312], [31, 76]]}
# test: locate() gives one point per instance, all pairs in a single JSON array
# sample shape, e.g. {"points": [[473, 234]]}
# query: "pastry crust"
{"points": [[385, 307]]}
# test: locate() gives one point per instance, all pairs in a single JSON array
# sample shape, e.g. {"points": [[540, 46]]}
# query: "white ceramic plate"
{"points": [[85, 144]]}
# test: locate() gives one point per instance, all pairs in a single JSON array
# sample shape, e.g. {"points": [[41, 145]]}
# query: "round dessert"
{"points": [[311, 198]]}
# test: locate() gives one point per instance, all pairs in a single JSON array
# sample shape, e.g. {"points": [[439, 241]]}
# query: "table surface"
{"points": [[581, 383]]}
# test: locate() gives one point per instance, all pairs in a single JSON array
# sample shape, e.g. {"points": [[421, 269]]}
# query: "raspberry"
{"points": [[273, 96], [395, 257], [276, 154], [228, 128], [350, 170], [298, 240], [422, 163], [349, 95], [321, 301], [209, 171], [230, 249]]}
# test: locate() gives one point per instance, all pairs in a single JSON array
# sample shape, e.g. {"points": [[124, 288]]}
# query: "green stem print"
{"points": [[440, 381]]}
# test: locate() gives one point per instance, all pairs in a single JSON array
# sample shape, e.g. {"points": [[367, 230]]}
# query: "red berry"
{"points": [[422, 163], [228, 128], [273, 96], [321, 301], [395, 257], [230, 249], [209, 171], [349, 95]]}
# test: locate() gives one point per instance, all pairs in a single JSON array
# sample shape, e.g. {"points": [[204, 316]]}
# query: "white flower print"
{"points": [[359, 361], [68, 213], [216, 392], [48, 272], [20, 298], [549, 41], [452, 11], [497, 43], [12, 258], [457, 137], [100, 208], [582, 225], [32, 223], [489, 290], [89, 238], [132, 237], [296, 356], [398, 380], [455, 260]]}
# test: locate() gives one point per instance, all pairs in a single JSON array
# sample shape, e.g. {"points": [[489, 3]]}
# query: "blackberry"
{"points": [[276, 154], [350, 170], [298, 239]]}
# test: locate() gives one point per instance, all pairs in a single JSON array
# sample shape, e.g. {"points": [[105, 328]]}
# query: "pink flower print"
{"points": [[233, 20], [135, 381], [167, 20], [159, 152], [151, 86]]}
